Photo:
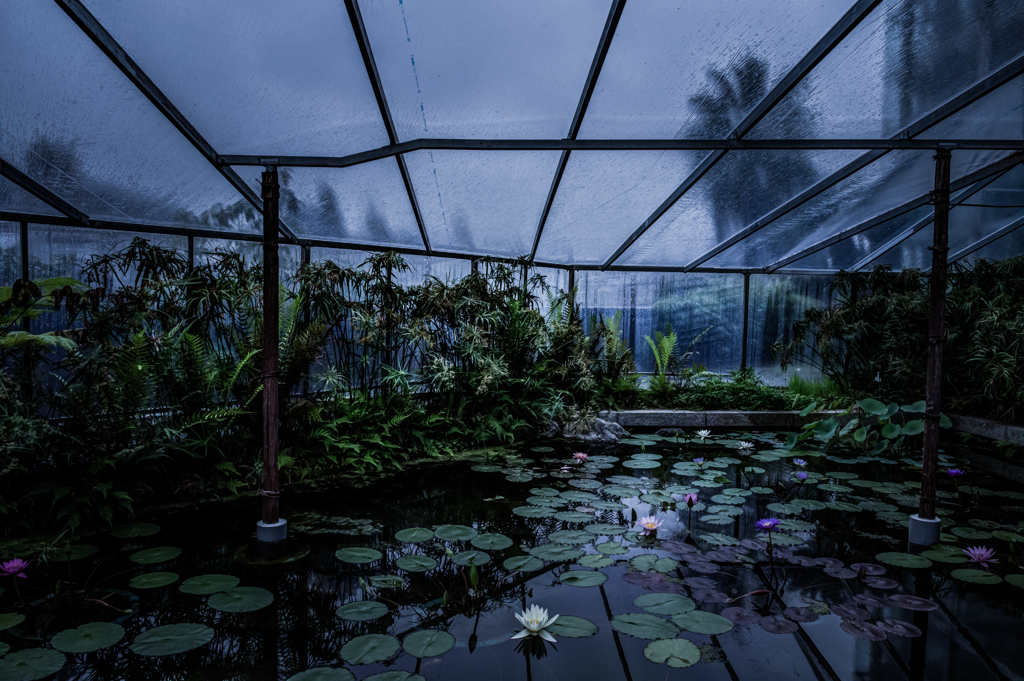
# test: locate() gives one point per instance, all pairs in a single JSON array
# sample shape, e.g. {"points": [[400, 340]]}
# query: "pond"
{"points": [[422, 576]]}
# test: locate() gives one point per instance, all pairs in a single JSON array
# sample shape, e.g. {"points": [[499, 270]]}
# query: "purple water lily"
{"points": [[799, 462], [14, 568], [982, 555], [768, 525], [955, 472], [801, 476], [691, 500]]}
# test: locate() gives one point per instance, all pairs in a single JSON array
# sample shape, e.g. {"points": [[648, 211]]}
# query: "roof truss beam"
{"points": [[110, 47], [614, 14], [359, 28]]}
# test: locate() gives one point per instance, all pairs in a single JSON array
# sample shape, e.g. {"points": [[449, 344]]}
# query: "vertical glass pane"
{"points": [[848, 252], [905, 60], [289, 257], [265, 77], [364, 204], [696, 69], [693, 303], [10, 253], [14, 199], [486, 202], [462, 68], [344, 257], [449, 270], [75, 124], [776, 301], [604, 196]]}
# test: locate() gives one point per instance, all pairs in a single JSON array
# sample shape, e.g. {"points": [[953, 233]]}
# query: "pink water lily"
{"points": [[14, 568], [579, 457], [691, 500], [650, 524], [982, 555]]}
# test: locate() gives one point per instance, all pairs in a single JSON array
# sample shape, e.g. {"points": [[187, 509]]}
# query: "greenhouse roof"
{"points": [[739, 136]]}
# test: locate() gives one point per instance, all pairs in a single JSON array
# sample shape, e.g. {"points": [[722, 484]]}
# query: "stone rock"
{"points": [[670, 432], [596, 430]]}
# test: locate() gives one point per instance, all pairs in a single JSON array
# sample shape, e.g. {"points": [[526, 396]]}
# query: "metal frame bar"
{"points": [[997, 168], [956, 103], [12, 173], [922, 223], [363, 40], [110, 47], [981, 243], [821, 49], [614, 14]]}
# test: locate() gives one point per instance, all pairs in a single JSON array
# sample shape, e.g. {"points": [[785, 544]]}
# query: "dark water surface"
{"points": [[816, 615]]}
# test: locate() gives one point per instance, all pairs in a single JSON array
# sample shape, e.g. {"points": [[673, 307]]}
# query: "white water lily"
{"points": [[535, 619], [743, 444], [703, 434]]}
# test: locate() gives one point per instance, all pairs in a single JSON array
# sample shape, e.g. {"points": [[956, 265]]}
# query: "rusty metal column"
{"points": [[746, 319], [925, 519], [26, 322], [272, 528]]}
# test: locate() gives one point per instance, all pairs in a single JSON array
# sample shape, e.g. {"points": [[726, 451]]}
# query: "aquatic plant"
{"points": [[801, 476], [982, 555], [799, 462], [579, 457], [650, 524], [535, 620], [703, 434], [14, 568], [744, 445]]}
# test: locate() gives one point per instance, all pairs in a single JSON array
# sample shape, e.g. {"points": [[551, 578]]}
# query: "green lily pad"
{"points": [[809, 504], [643, 625], [486, 468], [605, 529], [583, 578], [577, 495], [1016, 580], [675, 652], [160, 554], [323, 674], [523, 563], [568, 626], [542, 449], [572, 537], [358, 555], [464, 558], [416, 563], [970, 533], [491, 542], [611, 548], [428, 643], [387, 581], [944, 557], [414, 535], [786, 540], [241, 599], [556, 552], [787, 509], [153, 580], [31, 664], [596, 560], [10, 619], [88, 637], [649, 562], [720, 539], [533, 511], [172, 639], [362, 611], [976, 576], [523, 476], [204, 585], [700, 622], [641, 464], [370, 648], [136, 529], [904, 560], [4, 649], [664, 604], [843, 506], [76, 552], [621, 491], [573, 517], [1007, 536]]}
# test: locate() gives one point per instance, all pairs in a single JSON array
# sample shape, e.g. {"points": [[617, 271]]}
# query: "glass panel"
{"points": [[10, 253], [905, 60], [691, 303], [1007, 246], [891, 181], [14, 199], [447, 270], [74, 123], [696, 69], [364, 204], [604, 196], [345, 257], [289, 257], [462, 68], [264, 78], [486, 202], [776, 301], [845, 254], [741, 188]]}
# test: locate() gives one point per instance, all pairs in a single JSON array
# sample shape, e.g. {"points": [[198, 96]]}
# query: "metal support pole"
{"points": [[26, 323], [191, 252], [936, 328], [272, 527], [746, 319], [572, 282]]}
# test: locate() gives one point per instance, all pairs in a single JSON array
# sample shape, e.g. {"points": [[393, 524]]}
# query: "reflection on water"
{"points": [[359, 588]]}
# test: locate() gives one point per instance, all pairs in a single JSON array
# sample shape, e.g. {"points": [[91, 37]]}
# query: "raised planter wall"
{"points": [[668, 418]]}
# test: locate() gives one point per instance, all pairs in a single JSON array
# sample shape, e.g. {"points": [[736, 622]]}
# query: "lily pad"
{"points": [[556, 552], [572, 627], [573, 517], [596, 560], [362, 611], [358, 555], [642, 625], [913, 602], [136, 529], [323, 674], [943, 557], [241, 599], [523, 563], [533, 511], [778, 625], [416, 563], [464, 558], [10, 619], [4, 649], [971, 533], [395, 675], [491, 542], [605, 529], [428, 643], [204, 585], [649, 562], [864, 630], [153, 580], [611, 548], [387, 581], [172, 639], [76, 551], [1007, 536], [583, 578], [571, 537], [370, 648], [720, 539], [414, 535], [31, 664], [700, 622], [160, 554], [976, 576], [898, 627], [675, 652], [88, 637], [904, 560], [664, 604], [1016, 580], [641, 464]]}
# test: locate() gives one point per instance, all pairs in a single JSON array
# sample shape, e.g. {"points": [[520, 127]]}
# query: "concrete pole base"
{"points": [[273, 532], [924, 532]]}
